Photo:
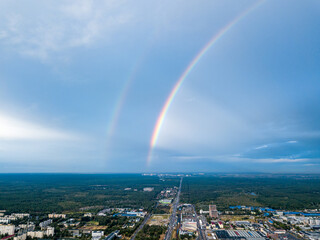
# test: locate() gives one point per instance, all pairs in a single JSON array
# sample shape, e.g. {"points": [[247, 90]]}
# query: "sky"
{"points": [[84, 86]]}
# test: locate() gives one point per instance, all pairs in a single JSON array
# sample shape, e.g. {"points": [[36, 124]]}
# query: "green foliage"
{"points": [[151, 232], [45, 193], [276, 191], [162, 210], [280, 225], [186, 236]]}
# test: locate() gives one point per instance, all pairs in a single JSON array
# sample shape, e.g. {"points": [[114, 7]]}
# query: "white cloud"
{"points": [[201, 126], [53, 27], [12, 128], [42, 29], [191, 158], [262, 146], [282, 160], [236, 158], [310, 164]]}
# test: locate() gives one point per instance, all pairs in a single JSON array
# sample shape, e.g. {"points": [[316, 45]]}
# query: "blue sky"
{"points": [[82, 84]]}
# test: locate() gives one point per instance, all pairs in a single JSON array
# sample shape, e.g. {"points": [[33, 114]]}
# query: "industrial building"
{"points": [[239, 234]]}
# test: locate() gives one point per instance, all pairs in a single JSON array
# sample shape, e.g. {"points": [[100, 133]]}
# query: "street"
{"points": [[173, 217]]}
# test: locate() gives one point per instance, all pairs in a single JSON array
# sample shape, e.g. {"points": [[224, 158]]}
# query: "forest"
{"points": [[287, 192], [48, 193]]}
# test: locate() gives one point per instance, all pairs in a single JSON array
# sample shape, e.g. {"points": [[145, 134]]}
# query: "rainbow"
{"points": [[115, 115], [124, 92], [187, 71]]}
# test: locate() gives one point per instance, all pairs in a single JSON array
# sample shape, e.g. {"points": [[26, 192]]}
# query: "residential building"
{"points": [[213, 211], [7, 229], [45, 224], [55, 215]]}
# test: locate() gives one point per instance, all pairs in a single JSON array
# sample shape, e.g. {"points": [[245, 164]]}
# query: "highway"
{"points": [[202, 234], [173, 217]]}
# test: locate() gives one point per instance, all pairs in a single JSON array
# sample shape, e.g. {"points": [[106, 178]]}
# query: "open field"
{"points": [[159, 220]]}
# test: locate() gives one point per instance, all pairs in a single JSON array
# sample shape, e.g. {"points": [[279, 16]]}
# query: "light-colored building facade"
{"points": [[96, 235], [20, 215], [45, 224], [7, 229], [213, 211], [49, 231], [56, 215], [36, 234], [148, 189]]}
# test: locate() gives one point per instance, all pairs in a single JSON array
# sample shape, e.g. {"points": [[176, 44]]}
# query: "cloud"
{"points": [[237, 158], [310, 164], [190, 158], [13, 128], [58, 27], [282, 160], [201, 126], [262, 146], [274, 145]]}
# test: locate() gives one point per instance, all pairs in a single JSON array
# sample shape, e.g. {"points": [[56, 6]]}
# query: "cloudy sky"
{"points": [[82, 84]]}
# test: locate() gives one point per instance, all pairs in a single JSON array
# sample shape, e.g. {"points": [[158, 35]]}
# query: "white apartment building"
{"points": [[7, 229], [36, 234], [96, 235], [49, 231], [20, 215], [56, 215], [46, 223]]}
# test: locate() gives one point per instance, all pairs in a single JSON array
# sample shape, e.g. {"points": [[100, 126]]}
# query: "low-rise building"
{"points": [[55, 215], [49, 231], [20, 215], [75, 232], [7, 229], [148, 189], [20, 237], [4, 220], [96, 235], [29, 227], [45, 224], [35, 234]]}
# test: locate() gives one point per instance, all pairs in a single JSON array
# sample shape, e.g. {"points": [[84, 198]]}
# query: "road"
{"points": [[141, 226], [173, 217], [202, 234], [112, 235]]}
